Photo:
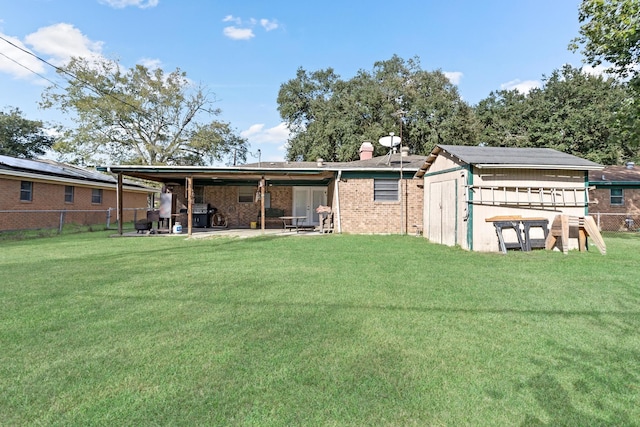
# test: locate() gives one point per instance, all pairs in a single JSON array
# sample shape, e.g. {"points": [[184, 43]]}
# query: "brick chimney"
{"points": [[366, 151]]}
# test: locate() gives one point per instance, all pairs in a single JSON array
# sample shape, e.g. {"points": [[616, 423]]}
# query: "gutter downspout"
{"points": [[337, 193]]}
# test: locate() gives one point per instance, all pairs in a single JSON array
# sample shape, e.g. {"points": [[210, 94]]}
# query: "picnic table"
{"points": [[291, 222]]}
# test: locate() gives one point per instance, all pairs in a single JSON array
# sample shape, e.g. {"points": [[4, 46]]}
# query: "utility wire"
{"points": [[68, 73], [29, 69]]}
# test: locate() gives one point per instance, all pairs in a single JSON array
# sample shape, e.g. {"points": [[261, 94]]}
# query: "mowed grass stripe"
{"points": [[331, 330]]}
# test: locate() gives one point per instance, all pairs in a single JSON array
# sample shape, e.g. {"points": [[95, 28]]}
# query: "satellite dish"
{"points": [[389, 141]]}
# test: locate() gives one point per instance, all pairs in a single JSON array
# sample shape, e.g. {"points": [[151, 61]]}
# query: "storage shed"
{"points": [[465, 186]]}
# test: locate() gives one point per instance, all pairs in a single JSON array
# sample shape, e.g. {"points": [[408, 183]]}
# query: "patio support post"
{"points": [[119, 203], [189, 204]]}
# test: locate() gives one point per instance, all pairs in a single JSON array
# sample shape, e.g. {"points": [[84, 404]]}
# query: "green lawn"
{"points": [[327, 330]]}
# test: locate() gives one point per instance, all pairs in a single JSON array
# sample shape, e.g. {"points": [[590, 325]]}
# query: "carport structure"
{"points": [[234, 190]]}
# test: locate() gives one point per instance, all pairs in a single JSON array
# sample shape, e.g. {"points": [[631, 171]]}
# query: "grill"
{"points": [[200, 215], [200, 208]]}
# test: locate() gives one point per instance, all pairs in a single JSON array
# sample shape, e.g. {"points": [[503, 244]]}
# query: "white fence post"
{"points": [[61, 222]]}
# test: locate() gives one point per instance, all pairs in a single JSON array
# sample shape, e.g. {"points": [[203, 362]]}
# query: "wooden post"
{"points": [[189, 204], [119, 203]]}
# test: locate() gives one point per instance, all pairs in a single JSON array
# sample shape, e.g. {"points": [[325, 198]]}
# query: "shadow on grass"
{"points": [[606, 380]]}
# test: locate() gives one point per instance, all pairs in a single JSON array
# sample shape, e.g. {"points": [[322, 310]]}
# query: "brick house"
{"points": [[615, 197], [369, 195], [37, 194]]}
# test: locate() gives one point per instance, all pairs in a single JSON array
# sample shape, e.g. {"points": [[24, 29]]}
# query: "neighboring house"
{"points": [[365, 196], [615, 197], [466, 185], [35, 193]]}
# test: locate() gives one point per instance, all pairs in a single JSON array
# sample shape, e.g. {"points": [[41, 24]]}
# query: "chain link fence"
{"points": [[617, 222], [19, 220]]}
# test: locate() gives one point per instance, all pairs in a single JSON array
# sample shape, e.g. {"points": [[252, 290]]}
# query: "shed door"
{"points": [[442, 212]]}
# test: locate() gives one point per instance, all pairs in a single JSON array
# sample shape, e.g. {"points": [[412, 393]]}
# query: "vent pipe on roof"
{"points": [[404, 151], [320, 162], [630, 165], [366, 151]]}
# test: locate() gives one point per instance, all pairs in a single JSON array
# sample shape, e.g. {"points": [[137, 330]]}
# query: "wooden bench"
{"points": [[270, 214]]}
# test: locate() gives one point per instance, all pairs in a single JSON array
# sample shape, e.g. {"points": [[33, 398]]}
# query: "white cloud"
{"points": [[598, 70], [235, 33], [243, 28], [30, 64], [453, 76], [521, 86], [61, 42], [151, 64], [231, 18], [257, 134], [268, 25], [120, 4]]}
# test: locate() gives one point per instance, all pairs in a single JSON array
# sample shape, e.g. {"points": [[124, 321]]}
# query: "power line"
{"points": [[68, 73], [29, 69]]}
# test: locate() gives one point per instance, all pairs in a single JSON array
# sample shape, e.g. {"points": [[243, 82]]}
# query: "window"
{"points": [[68, 193], [26, 191], [385, 190], [246, 194], [617, 197], [198, 194], [96, 196]]}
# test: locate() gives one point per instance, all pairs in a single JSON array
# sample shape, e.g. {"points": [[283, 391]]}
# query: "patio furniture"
{"points": [[291, 222], [270, 214], [142, 225], [326, 222]]}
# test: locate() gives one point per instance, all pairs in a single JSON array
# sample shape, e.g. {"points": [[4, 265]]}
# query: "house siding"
{"points": [[48, 196]]}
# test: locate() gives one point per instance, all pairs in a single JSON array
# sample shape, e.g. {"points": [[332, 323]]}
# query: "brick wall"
{"points": [[240, 215], [48, 196], [615, 217], [359, 213], [600, 201]]}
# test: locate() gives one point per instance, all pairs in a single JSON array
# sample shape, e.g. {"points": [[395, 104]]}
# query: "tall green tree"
{"points": [[501, 119], [23, 138], [573, 112], [610, 33], [140, 116], [329, 117]]}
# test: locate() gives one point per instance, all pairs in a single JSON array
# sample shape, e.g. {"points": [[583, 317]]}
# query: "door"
{"points": [[305, 202], [442, 212]]}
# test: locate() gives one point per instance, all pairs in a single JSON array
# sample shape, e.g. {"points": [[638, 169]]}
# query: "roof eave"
{"points": [[594, 167]]}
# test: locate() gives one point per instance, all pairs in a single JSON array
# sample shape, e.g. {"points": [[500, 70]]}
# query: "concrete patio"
{"points": [[200, 233]]}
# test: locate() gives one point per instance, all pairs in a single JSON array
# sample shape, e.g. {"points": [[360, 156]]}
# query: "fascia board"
{"points": [[541, 167]]}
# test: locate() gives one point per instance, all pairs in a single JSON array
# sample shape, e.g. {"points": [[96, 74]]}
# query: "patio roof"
{"points": [[278, 173]]}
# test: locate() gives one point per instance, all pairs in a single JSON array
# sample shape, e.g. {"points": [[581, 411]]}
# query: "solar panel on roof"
{"points": [[53, 169]]}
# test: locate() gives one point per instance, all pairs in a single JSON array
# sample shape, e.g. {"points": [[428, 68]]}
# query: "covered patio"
{"points": [[250, 196]]}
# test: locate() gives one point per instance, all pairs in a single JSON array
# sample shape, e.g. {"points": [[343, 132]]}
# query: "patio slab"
{"points": [[199, 233]]}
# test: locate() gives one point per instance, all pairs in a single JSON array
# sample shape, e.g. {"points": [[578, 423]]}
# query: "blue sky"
{"points": [[243, 50]]}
